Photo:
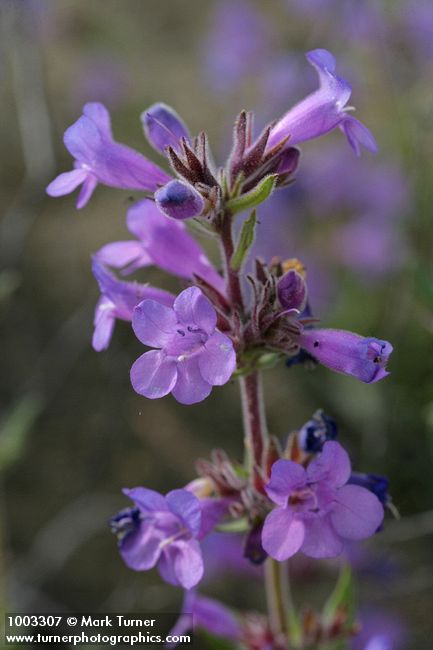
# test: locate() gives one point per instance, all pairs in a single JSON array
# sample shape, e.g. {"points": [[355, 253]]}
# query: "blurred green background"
{"points": [[73, 432]]}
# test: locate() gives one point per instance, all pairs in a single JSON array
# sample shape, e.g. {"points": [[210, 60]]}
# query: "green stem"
{"points": [[278, 596], [253, 410], [232, 276]]}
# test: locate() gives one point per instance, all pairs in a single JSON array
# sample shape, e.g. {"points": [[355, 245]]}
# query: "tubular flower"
{"points": [[323, 110], [100, 159], [162, 531], [317, 510], [162, 242], [193, 355], [348, 353], [118, 300]]}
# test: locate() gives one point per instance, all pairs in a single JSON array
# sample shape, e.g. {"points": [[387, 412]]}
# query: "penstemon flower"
{"points": [[193, 355], [162, 531], [284, 498], [317, 509], [99, 159]]}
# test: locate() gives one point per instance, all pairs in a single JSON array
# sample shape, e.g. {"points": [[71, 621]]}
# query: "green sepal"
{"points": [[246, 240], [254, 197]]}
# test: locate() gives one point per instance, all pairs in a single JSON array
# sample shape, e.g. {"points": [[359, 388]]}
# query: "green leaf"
{"points": [[15, 428], [254, 197], [342, 596], [246, 240]]}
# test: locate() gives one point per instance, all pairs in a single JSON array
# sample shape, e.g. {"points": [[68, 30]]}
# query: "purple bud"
{"points": [[163, 127], [179, 200], [289, 161], [292, 291]]}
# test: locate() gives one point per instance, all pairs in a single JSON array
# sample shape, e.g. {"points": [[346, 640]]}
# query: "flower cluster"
{"points": [[303, 497]]}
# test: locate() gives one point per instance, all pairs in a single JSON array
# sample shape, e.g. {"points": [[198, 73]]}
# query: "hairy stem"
{"points": [[253, 410], [277, 596], [232, 276]]}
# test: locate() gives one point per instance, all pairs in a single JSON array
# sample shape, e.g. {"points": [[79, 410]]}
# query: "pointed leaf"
{"points": [[246, 240], [254, 197]]}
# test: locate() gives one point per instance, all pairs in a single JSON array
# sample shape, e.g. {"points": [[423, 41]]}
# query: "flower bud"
{"points": [[163, 127], [292, 291], [289, 161], [179, 200]]}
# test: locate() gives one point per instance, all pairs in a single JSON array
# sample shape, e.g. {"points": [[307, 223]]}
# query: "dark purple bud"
{"points": [[292, 291], [313, 435], [179, 200], [289, 161], [163, 127], [253, 549]]}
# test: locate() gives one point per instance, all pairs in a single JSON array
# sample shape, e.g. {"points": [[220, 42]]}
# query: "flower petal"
{"points": [[147, 500], [193, 308], [190, 387], [286, 476], [86, 191], [141, 549], [187, 507], [153, 323], [104, 322], [188, 562], [218, 359], [152, 375], [357, 134], [357, 513], [99, 114], [282, 534], [120, 253], [67, 182], [321, 540], [331, 465]]}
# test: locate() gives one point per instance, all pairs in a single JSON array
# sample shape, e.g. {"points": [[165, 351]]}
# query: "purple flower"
{"points": [[161, 241], [207, 614], [348, 353], [323, 110], [118, 300], [317, 510], [163, 127], [162, 531], [192, 357], [99, 159], [179, 200]]}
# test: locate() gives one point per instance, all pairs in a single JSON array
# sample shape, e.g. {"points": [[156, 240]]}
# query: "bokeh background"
{"points": [[73, 432]]}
